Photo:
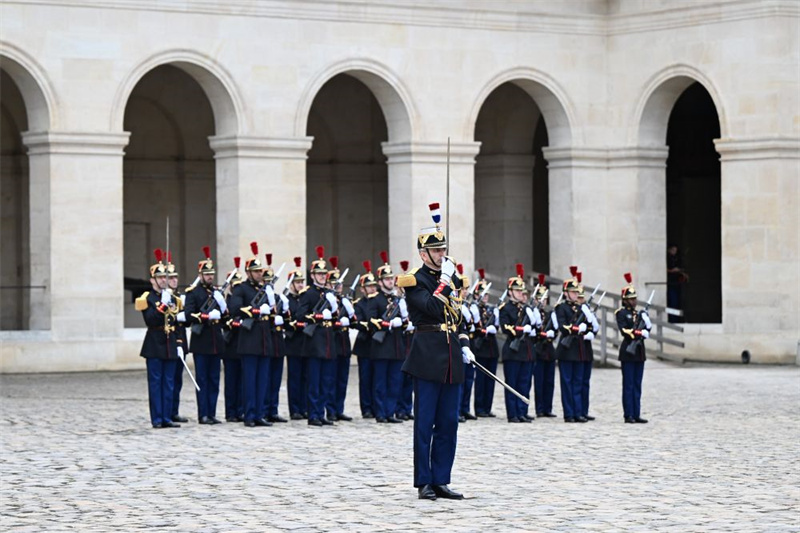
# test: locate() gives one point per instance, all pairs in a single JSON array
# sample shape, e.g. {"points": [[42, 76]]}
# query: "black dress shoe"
{"points": [[169, 424], [179, 418], [530, 418], [249, 423], [569, 420], [461, 418], [314, 422], [549, 415], [215, 420], [580, 419], [393, 420], [368, 415], [344, 418], [296, 416], [513, 420], [443, 491], [589, 418], [640, 420], [525, 420], [540, 415], [326, 422], [470, 416], [263, 422], [205, 420], [276, 418], [380, 420], [491, 415], [402, 416], [629, 420], [482, 415], [426, 493], [410, 416]]}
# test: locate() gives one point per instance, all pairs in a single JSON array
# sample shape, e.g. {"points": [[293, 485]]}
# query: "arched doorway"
{"points": [[168, 171], [347, 207], [694, 206]]}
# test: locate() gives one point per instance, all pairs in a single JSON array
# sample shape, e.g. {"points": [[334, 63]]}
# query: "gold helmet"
{"points": [[571, 284], [297, 274], [517, 283], [385, 270], [269, 273], [481, 284], [172, 272], [368, 278], [158, 269], [334, 273], [319, 265], [432, 237], [628, 291], [253, 263]]}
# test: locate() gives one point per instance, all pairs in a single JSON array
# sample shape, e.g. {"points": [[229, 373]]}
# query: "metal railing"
{"points": [[665, 340]]}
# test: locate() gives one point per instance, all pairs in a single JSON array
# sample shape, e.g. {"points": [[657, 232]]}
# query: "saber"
{"points": [[280, 271], [183, 360], [597, 305], [501, 382], [486, 289], [340, 281]]}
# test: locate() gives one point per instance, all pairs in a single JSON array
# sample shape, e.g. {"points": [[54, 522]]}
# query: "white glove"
{"points": [[181, 354], [344, 321], [646, 319], [278, 320], [527, 329], [467, 356], [410, 328], [538, 317], [181, 317], [531, 315], [448, 269], [582, 327], [551, 334], [476, 313], [589, 336], [554, 320], [264, 309], [496, 314], [223, 305], [333, 301], [587, 312], [532, 333], [285, 302], [326, 314], [403, 308], [472, 328], [466, 314], [349, 307], [214, 314], [396, 322], [645, 334], [166, 297], [595, 324], [270, 295], [183, 300], [491, 330]]}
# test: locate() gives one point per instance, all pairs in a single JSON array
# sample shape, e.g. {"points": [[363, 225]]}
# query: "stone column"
{"points": [[261, 196], [418, 177], [76, 233]]}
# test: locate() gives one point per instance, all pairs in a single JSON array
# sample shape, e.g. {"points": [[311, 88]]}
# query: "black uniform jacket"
{"points": [[486, 347], [232, 340], [628, 322], [566, 313], [393, 345], [545, 351], [320, 344], [258, 340], [365, 308], [209, 341], [435, 353], [512, 314], [341, 334], [294, 332], [160, 342]]}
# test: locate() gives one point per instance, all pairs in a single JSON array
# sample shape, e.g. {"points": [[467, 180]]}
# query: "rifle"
{"points": [[318, 308], [521, 324], [259, 298], [392, 310], [351, 293], [635, 343], [577, 320], [550, 315], [469, 299], [489, 312], [211, 304]]}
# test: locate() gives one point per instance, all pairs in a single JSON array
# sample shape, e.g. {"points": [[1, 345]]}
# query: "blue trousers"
{"points": [[435, 431], [274, 390], [341, 378], [176, 389], [516, 376], [255, 379], [544, 379], [466, 388], [527, 384], [632, 374], [208, 371], [234, 407], [484, 386], [160, 385], [296, 387], [321, 386], [587, 376], [571, 373], [365, 386], [405, 405], [387, 382]]}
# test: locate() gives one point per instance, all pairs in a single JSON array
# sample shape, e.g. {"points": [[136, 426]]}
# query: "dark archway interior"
{"points": [[511, 184], [14, 209], [169, 171], [347, 175], [694, 205]]}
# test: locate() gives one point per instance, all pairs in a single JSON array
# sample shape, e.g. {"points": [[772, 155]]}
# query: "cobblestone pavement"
{"points": [[721, 454]]}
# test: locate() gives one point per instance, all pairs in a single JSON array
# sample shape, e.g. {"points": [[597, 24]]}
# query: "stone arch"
{"points": [[556, 107], [392, 95], [216, 82], [41, 102], [651, 114]]}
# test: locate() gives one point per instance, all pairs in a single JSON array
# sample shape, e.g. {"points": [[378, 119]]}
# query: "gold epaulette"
{"points": [[618, 310], [141, 302], [406, 280], [304, 289], [190, 288], [370, 296], [502, 305]]}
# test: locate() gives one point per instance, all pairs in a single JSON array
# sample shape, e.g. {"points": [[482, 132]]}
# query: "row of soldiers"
{"points": [[249, 328]]}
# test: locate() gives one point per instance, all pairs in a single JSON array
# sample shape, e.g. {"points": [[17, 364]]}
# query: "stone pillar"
{"points": [[261, 196], [417, 177], [76, 233]]}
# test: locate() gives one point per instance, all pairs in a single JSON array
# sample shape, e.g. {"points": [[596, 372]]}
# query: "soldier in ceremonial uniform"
{"points": [[180, 330], [161, 346], [341, 340], [317, 306], [518, 321], [205, 308], [486, 319], [469, 369], [388, 349], [231, 361], [544, 369], [571, 351], [635, 328], [438, 349], [365, 307], [255, 339], [278, 317], [588, 337], [295, 360], [405, 404]]}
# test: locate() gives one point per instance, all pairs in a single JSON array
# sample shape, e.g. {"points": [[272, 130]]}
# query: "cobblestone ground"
{"points": [[721, 454]]}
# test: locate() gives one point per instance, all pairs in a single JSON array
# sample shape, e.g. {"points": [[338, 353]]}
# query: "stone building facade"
{"points": [[296, 123]]}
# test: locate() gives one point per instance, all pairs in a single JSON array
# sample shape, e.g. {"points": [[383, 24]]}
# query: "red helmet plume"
{"points": [[482, 273], [254, 247], [169, 257], [269, 259], [334, 261], [573, 270], [460, 268], [520, 270], [298, 261], [367, 265], [628, 277], [541, 279], [404, 265], [237, 261], [159, 253], [579, 276], [384, 257], [320, 251], [207, 252]]}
